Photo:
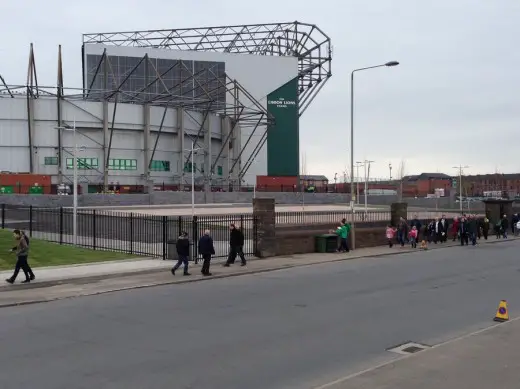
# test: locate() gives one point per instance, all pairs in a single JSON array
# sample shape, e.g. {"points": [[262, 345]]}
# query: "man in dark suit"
{"points": [[444, 233], [236, 245], [206, 249], [463, 231]]}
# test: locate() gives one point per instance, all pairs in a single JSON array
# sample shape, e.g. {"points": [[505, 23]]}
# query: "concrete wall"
{"points": [[158, 198], [128, 140]]}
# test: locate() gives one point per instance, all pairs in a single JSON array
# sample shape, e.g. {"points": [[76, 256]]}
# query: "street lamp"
{"points": [[193, 150], [388, 64], [74, 180], [366, 164], [358, 165], [459, 168], [390, 167]]}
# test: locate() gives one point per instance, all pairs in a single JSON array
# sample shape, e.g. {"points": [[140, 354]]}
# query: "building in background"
{"points": [[235, 92], [477, 185]]}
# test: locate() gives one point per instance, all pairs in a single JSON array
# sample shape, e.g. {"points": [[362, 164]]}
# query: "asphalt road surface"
{"points": [[297, 328]]}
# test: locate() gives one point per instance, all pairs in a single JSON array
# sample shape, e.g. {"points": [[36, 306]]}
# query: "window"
{"points": [[219, 170], [122, 164], [189, 166], [160, 166], [50, 161], [83, 163]]}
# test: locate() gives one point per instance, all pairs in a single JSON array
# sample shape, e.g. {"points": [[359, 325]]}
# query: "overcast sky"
{"points": [[455, 98]]}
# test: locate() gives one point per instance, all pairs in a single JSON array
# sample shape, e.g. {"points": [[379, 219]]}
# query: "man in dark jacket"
{"points": [[463, 231], [504, 225], [472, 229], [402, 231], [183, 252], [444, 234], [206, 249], [236, 244]]}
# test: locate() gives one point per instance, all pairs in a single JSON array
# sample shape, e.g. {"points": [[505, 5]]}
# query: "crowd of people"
{"points": [[466, 229]]}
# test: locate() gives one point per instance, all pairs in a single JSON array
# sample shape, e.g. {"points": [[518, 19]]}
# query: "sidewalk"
{"points": [[48, 276], [482, 360]]}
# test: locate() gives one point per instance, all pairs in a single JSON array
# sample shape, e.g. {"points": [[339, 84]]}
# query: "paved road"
{"points": [[296, 328]]}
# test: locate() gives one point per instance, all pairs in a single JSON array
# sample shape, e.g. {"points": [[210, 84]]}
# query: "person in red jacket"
{"points": [[455, 228]]}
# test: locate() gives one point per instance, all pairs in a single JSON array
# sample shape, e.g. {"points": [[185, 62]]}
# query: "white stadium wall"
{"points": [[128, 141], [259, 75]]}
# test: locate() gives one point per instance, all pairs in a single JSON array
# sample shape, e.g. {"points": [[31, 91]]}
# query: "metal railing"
{"points": [[127, 232]]}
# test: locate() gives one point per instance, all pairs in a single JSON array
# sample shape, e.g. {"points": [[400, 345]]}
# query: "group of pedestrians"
{"points": [[21, 250], [467, 228], [206, 250]]}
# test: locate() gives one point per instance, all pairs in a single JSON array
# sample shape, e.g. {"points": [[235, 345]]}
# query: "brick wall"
{"points": [[300, 239]]}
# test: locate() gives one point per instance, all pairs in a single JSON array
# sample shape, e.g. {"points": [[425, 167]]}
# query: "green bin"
{"points": [[326, 243]]}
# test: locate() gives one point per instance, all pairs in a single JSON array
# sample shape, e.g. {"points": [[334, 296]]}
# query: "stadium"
{"points": [[155, 106]]}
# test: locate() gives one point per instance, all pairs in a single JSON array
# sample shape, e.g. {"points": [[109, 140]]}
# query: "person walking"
{"points": [[206, 249], [504, 226], [402, 231], [463, 231], [183, 252], [417, 224], [236, 245], [22, 252], [342, 231], [485, 227], [472, 229]]}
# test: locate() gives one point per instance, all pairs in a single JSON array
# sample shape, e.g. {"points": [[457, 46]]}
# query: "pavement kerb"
{"points": [[402, 358], [200, 279], [86, 279]]}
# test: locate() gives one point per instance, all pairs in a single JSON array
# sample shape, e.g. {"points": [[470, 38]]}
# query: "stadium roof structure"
{"points": [[244, 110], [305, 41]]}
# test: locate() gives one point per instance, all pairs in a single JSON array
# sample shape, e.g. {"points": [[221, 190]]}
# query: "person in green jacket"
{"points": [[343, 231]]}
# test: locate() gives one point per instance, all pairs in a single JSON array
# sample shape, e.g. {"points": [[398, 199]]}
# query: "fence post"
{"points": [[194, 233], [30, 220], [131, 232], [61, 225], [93, 229], [3, 216], [164, 237]]}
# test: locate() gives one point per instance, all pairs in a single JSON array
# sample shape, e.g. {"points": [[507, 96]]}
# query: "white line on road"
{"points": [[350, 376]]}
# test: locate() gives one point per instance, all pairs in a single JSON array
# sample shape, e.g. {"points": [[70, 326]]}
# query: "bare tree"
{"points": [[401, 173]]}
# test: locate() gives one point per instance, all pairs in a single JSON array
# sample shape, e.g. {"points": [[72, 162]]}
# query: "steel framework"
{"points": [[305, 41], [244, 111]]}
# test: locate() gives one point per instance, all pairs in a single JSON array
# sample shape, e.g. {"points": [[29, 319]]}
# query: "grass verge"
{"points": [[44, 253]]}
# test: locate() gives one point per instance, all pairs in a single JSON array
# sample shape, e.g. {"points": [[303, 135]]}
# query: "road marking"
{"points": [[353, 375]]}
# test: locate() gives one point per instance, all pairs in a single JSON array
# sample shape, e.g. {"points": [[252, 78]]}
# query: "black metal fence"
{"points": [[128, 232], [138, 233]]}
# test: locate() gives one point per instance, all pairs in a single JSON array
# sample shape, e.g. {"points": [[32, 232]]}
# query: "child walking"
{"points": [[390, 234], [412, 236]]}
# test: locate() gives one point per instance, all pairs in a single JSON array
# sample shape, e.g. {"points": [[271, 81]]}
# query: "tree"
{"points": [[401, 173]]}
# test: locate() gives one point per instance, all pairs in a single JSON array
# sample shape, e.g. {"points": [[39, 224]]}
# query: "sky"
{"points": [[453, 100]]}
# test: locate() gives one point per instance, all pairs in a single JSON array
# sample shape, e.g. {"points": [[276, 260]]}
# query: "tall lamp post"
{"points": [[74, 180], [358, 165], [389, 64], [193, 150], [460, 169], [366, 164]]}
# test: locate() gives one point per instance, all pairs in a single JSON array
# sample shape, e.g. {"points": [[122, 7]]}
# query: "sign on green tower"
{"points": [[283, 140]]}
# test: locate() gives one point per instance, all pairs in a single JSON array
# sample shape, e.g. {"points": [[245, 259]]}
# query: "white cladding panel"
{"points": [[127, 139], [259, 75]]}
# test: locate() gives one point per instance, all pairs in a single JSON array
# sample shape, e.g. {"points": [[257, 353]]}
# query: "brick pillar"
{"points": [[397, 211], [265, 227]]}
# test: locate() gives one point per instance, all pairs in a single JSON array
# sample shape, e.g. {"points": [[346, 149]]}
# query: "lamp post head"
{"points": [[392, 63]]}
